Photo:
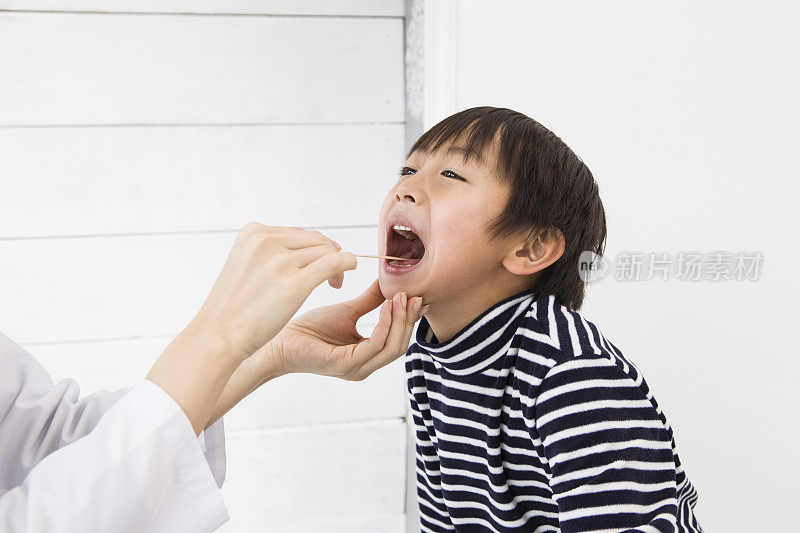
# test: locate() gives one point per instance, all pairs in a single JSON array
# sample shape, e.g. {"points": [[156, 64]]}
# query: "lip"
{"points": [[398, 218], [398, 270]]}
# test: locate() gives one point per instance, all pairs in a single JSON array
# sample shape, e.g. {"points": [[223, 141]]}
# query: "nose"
{"points": [[403, 196], [410, 190]]}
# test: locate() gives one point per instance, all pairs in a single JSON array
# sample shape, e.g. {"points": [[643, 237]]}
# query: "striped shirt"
{"points": [[529, 419]]}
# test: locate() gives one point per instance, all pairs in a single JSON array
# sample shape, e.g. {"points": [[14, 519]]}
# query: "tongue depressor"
{"points": [[384, 257]]}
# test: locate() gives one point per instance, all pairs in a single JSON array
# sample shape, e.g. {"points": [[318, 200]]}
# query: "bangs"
{"points": [[474, 131]]}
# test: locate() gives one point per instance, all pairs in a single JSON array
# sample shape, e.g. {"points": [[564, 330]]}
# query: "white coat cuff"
{"points": [[212, 442], [199, 472]]}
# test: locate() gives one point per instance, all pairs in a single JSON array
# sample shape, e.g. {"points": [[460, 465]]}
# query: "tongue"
{"points": [[410, 250], [412, 256], [416, 251]]}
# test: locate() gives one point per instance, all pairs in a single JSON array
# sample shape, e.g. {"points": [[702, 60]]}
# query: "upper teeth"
{"points": [[404, 231]]}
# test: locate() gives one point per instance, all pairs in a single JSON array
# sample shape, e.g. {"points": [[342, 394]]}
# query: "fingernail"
{"points": [[417, 304], [424, 309], [403, 300]]}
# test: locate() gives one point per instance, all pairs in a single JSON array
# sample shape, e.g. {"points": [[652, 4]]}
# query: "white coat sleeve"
{"points": [[119, 461]]}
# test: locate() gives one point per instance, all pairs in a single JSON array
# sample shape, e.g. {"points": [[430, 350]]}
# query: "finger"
{"points": [[255, 227], [281, 229], [296, 240], [336, 281], [390, 350], [411, 318], [327, 266], [367, 349], [317, 236], [277, 241], [393, 351], [367, 300], [303, 257]]}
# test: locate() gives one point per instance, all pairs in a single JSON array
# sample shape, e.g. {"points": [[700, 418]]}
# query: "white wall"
{"points": [[134, 144], [688, 115], [136, 138]]}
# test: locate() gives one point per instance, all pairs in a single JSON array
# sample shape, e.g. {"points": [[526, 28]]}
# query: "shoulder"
{"points": [[564, 332], [559, 346], [551, 333]]}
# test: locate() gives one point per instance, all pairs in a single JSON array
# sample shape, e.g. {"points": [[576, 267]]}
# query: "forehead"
{"points": [[460, 149]]}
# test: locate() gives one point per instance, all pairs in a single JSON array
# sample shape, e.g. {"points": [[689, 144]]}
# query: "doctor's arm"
{"points": [[38, 417], [140, 467]]}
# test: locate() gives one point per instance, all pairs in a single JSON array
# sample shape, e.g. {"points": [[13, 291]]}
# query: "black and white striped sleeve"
{"points": [[609, 453]]}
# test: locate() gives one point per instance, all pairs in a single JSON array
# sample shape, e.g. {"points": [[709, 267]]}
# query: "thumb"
{"points": [[367, 300]]}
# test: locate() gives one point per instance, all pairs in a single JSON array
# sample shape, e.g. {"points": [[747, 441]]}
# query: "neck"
{"points": [[448, 317]]}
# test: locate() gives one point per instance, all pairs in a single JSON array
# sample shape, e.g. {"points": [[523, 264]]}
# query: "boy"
{"points": [[526, 417]]}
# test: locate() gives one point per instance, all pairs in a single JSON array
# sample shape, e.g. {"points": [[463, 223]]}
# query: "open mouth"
{"points": [[403, 242]]}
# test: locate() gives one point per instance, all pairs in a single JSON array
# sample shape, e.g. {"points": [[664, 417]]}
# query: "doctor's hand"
{"points": [[325, 340], [268, 275]]}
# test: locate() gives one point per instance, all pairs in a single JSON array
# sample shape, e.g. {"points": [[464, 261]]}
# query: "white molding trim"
{"points": [[324, 8], [441, 17], [416, 81], [430, 96]]}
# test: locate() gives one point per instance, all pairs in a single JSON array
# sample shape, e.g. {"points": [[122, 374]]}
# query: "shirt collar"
{"points": [[480, 343]]}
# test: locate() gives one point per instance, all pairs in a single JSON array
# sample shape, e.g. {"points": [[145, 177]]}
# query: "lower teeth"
{"points": [[396, 262]]}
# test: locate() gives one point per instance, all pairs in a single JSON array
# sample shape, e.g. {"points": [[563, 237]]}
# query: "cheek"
{"points": [[458, 249], [387, 202], [385, 207], [462, 245], [458, 227]]}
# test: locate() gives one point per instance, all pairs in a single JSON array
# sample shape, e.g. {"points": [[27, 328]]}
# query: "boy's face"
{"points": [[447, 203]]}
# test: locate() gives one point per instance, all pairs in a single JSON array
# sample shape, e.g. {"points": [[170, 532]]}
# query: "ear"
{"points": [[536, 253]]}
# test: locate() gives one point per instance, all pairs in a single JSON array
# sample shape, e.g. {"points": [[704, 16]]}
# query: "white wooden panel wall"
{"points": [[367, 8], [135, 140], [155, 179], [81, 68]]}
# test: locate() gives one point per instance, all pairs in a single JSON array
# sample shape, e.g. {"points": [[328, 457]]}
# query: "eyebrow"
{"points": [[464, 153], [461, 150]]}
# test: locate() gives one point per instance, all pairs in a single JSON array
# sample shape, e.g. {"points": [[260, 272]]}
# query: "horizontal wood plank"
{"points": [[302, 477], [56, 290], [386, 8], [340, 524], [130, 69], [292, 400], [73, 181]]}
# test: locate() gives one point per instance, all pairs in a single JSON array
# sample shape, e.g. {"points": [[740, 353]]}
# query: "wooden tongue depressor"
{"points": [[384, 257]]}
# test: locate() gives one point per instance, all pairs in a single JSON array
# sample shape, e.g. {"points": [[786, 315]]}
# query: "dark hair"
{"points": [[551, 187]]}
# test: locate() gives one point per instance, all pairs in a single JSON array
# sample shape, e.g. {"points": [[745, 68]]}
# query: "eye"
{"points": [[456, 176], [444, 173]]}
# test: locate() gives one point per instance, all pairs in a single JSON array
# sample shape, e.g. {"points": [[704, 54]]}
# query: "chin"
{"points": [[390, 286], [383, 283]]}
